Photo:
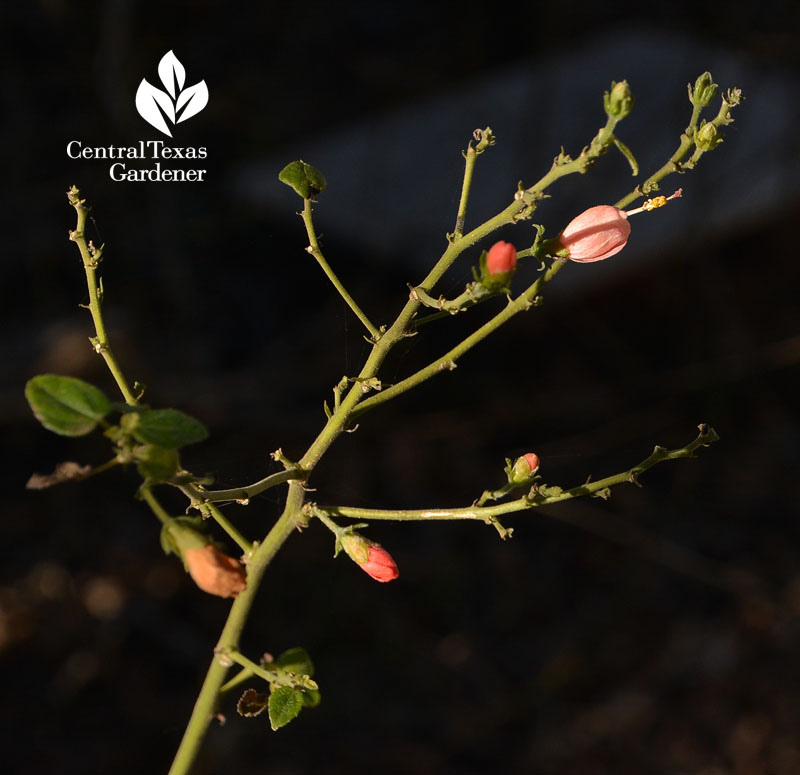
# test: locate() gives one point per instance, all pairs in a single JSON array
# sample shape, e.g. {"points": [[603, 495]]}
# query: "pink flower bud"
{"points": [[372, 558], [380, 564], [524, 468], [215, 572], [502, 257], [597, 233]]}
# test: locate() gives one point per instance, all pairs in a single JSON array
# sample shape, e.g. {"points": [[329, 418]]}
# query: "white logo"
{"points": [[177, 104]]}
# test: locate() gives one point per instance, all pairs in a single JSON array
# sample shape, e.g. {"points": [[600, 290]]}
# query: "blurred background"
{"points": [[657, 632]]}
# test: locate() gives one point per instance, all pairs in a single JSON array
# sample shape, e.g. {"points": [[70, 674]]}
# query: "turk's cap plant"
{"points": [[149, 440]]}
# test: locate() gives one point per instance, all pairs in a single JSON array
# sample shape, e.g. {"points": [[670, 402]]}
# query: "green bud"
{"points": [[306, 180], [707, 138], [356, 547], [524, 468], [619, 101], [704, 91]]}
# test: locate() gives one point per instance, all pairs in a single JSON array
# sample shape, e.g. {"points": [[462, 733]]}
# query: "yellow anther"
{"points": [[656, 201]]}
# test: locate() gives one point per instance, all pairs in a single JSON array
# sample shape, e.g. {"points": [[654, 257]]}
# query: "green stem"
{"points": [[538, 496], [336, 425], [205, 706], [208, 509], [243, 493], [315, 251], [153, 503], [328, 522], [91, 258], [270, 676], [448, 360], [243, 675], [675, 164]]}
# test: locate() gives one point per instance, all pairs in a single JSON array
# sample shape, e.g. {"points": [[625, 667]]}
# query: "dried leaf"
{"points": [[67, 471]]}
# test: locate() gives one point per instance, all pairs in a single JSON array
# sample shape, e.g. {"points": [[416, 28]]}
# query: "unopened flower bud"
{"points": [[372, 558], [524, 468], [212, 570], [215, 572], [597, 233], [707, 137], [501, 258], [619, 101], [704, 90]]}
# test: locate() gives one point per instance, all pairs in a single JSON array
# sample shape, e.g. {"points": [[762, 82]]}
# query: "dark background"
{"points": [[654, 633]]}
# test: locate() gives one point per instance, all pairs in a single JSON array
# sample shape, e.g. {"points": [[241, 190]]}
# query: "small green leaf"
{"points": [[284, 705], [306, 180], [312, 698], [295, 660], [251, 703], [66, 405], [156, 464], [165, 428]]}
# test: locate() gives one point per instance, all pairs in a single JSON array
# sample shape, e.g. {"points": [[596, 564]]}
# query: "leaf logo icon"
{"points": [[176, 104]]}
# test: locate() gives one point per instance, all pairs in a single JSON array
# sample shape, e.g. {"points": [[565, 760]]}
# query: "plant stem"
{"points": [[205, 706], [243, 493], [210, 510], [315, 251], [336, 425], [271, 676], [243, 675], [448, 360], [91, 258], [538, 496], [153, 503]]}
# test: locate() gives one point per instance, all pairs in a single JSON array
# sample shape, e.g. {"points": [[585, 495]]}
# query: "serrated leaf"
{"points": [[66, 405], [295, 660], [251, 703], [284, 705], [306, 180], [168, 428], [67, 471]]}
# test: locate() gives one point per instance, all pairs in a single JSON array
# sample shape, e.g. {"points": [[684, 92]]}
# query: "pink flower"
{"points": [[215, 572], [597, 233], [502, 257], [380, 564]]}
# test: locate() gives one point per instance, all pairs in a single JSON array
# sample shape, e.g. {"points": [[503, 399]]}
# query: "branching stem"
{"points": [[315, 251], [91, 257]]}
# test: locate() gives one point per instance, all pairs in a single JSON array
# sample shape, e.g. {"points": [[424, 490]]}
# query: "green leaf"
{"points": [[306, 180], [66, 405], [295, 660], [165, 428], [312, 698], [284, 705], [156, 464]]}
